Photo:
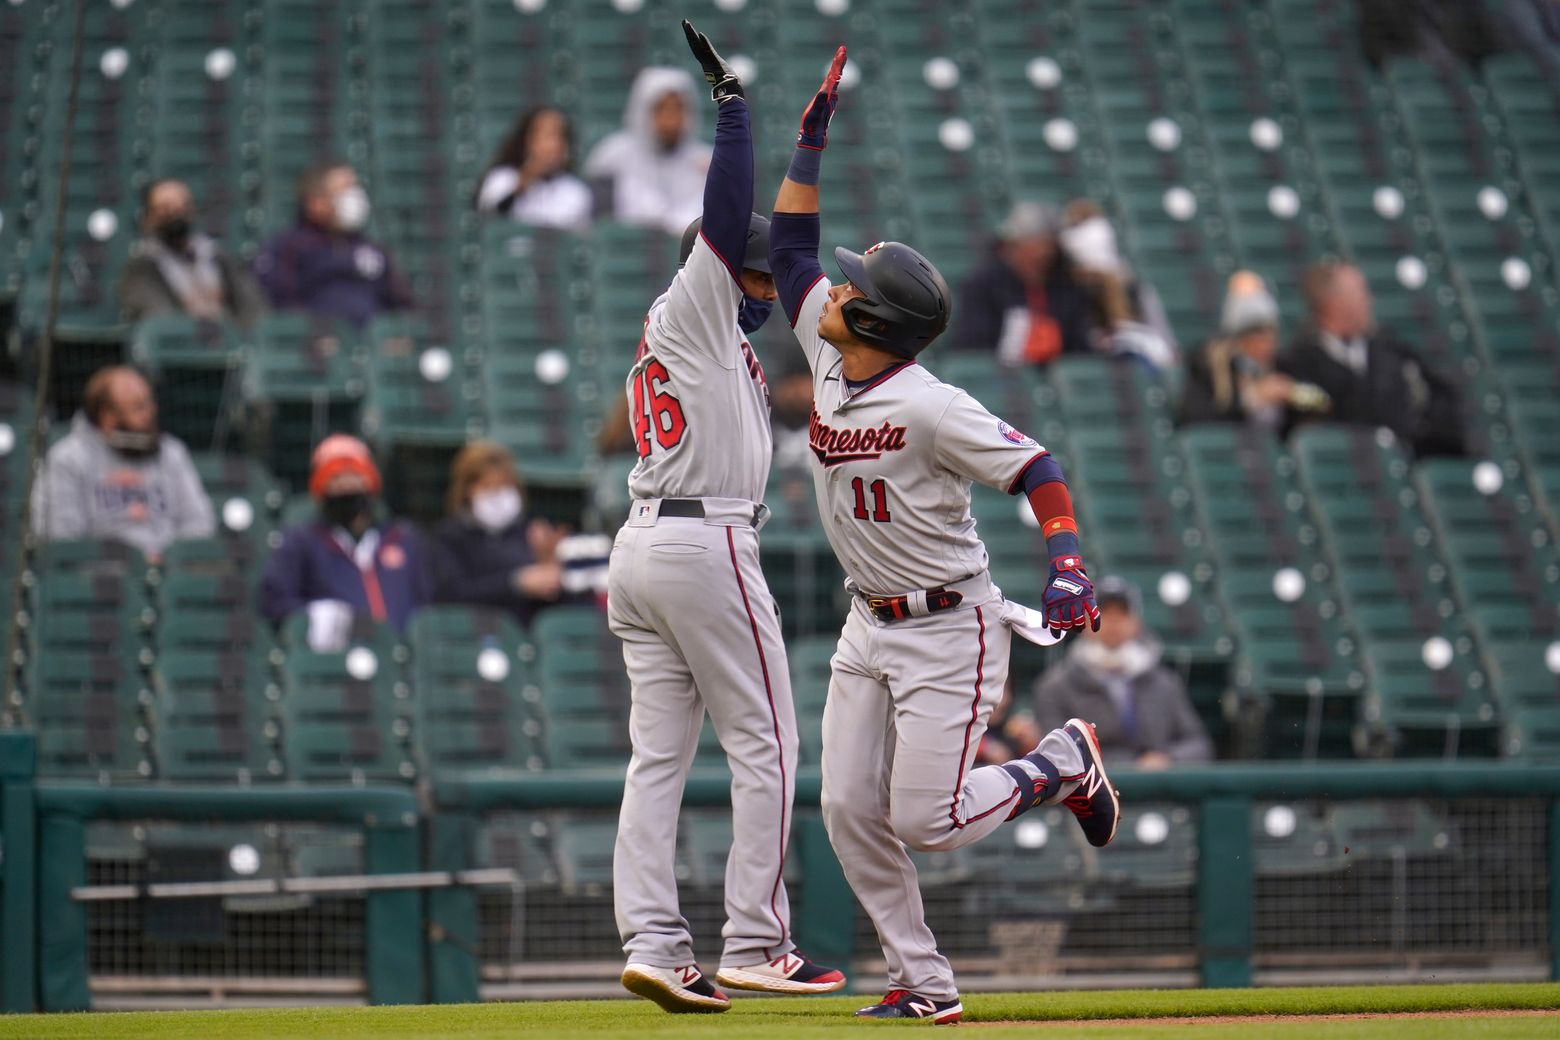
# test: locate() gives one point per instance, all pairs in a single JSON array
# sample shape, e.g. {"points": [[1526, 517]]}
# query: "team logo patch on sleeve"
{"points": [[1014, 435]]}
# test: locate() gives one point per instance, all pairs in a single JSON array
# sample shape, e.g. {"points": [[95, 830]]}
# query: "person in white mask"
{"points": [[325, 264], [1114, 677], [487, 552], [1128, 315]]}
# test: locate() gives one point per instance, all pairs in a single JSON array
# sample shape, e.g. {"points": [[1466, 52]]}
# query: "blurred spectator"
{"points": [[346, 562], [116, 476], [487, 552], [1234, 378], [655, 165], [1114, 678], [1371, 378], [1533, 26], [1443, 33], [1126, 313], [529, 178], [324, 264], [790, 413], [175, 268], [1024, 302], [1009, 733]]}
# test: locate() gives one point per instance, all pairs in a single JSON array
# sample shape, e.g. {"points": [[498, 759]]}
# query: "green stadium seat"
{"points": [[475, 699], [214, 716], [198, 368], [345, 716], [1522, 675], [1435, 712], [1533, 735], [305, 379], [1503, 560], [89, 710], [584, 847]]}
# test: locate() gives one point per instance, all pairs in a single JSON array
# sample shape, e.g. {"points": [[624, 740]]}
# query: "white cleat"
{"points": [[788, 973], [679, 990]]}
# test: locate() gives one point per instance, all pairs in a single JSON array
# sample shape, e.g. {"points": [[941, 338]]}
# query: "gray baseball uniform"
{"points": [[909, 699], [700, 630]]}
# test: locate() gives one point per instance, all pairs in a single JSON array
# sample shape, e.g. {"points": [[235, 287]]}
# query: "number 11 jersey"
{"points": [[893, 463]]}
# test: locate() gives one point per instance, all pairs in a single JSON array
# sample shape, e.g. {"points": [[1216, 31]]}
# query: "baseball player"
{"points": [[924, 652], [700, 630]]}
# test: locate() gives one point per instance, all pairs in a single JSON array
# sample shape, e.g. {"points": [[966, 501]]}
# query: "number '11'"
{"points": [[879, 500]]}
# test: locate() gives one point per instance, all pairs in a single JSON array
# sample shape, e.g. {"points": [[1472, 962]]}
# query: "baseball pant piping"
{"points": [[700, 633], [908, 705]]}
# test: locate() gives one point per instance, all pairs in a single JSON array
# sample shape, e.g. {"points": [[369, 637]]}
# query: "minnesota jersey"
{"points": [[697, 400], [894, 461]]}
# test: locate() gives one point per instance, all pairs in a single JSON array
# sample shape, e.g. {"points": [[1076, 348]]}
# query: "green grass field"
{"points": [[1054, 1016]]}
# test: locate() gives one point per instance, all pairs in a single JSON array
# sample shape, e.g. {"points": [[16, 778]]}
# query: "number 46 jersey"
{"points": [[894, 460], [697, 399]]}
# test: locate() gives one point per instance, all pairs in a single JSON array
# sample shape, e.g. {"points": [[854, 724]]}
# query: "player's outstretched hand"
{"points": [[815, 121], [722, 80], [1069, 596]]}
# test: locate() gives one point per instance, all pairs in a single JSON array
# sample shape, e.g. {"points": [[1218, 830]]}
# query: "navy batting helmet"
{"points": [[756, 257], [905, 302]]}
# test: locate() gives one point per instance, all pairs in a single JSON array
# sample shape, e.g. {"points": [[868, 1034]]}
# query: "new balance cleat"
{"points": [[901, 1003], [679, 990], [1095, 801], [789, 973]]}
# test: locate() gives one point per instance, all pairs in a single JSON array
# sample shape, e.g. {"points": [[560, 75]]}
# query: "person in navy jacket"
{"points": [[346, 557], [324, 264]]}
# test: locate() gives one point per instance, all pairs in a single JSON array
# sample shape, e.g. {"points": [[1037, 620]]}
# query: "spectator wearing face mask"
{"points": [[324, 264], [347, 561], [177, 269], [654, 167], [116, 476], [1114, 677], [529, 180], [1127, 313], [487, 551]]}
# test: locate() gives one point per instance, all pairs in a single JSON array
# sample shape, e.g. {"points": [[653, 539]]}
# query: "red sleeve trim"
{"points": [[1018, 481], [736, 274], [803, 298]]}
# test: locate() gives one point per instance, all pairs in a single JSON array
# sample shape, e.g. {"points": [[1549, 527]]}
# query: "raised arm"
{"points": [[793, 242], [728, 186]]}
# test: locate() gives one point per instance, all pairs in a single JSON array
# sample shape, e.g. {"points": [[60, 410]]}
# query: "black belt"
{"points": [[693, 508], [897, 608]]}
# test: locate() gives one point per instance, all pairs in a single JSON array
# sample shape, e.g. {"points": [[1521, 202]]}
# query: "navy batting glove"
{"points": [[815, 121], [723, 82], [1069, 596]]}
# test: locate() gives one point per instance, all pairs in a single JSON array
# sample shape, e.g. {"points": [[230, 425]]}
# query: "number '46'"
{"points": [[656, 410], [879, 500]]}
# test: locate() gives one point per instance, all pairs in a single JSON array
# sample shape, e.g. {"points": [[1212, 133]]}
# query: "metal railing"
{"points": [[1222, 875]]}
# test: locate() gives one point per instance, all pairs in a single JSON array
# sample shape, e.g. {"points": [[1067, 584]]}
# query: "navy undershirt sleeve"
{"points": [[1042, 469], [793, 255], [728, 186]]}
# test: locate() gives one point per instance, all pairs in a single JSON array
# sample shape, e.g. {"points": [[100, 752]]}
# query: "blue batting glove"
{"points": [[1069, 596]]}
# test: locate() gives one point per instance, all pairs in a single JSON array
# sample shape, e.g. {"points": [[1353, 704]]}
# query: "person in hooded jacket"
{"points": [[1114, 678], [654, 167], [324, 264], [487, 552], [117, 476]]}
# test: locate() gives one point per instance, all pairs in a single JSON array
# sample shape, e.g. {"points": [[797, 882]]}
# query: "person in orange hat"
{"points": [[346, 562]]}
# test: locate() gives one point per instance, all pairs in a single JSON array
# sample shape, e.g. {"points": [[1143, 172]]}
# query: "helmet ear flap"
{"points": [[869, 327]]}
